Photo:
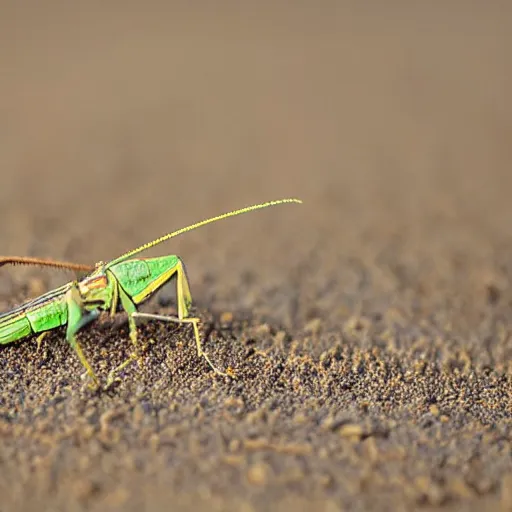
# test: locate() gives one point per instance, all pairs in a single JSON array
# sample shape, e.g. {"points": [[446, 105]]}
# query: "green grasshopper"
{"points": [[124, 282]]}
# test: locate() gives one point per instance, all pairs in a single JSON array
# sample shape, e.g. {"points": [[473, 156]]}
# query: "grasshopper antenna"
{"points": [[63, 265], [168, 236]]}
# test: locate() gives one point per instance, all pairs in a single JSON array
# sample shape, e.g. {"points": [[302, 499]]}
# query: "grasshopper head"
{"points": [[95, 290]]}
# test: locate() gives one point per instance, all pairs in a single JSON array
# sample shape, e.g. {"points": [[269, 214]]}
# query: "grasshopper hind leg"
{"points": [[184, 301], [134, 356], [195, 326]]}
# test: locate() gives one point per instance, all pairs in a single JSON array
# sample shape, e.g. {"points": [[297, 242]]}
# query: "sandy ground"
{"points": [[369, 329]]}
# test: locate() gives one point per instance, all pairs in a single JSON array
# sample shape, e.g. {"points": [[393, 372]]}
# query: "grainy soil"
{"points": [[369, 329]]}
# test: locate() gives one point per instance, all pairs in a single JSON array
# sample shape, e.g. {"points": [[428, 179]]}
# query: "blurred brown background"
{"points": [[121, 121]]}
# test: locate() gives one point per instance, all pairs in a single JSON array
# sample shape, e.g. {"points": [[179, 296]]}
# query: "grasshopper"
{"points": [[122, 283]]}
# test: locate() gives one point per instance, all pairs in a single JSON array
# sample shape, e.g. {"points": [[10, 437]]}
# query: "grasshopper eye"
{"points": [[83, 289], [93, 283]]}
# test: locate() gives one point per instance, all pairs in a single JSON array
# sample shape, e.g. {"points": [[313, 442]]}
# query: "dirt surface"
{"points": [[370, 329]]}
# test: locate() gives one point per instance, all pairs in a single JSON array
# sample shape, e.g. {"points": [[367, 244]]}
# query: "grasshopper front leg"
{"points": [[78, 317]]}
